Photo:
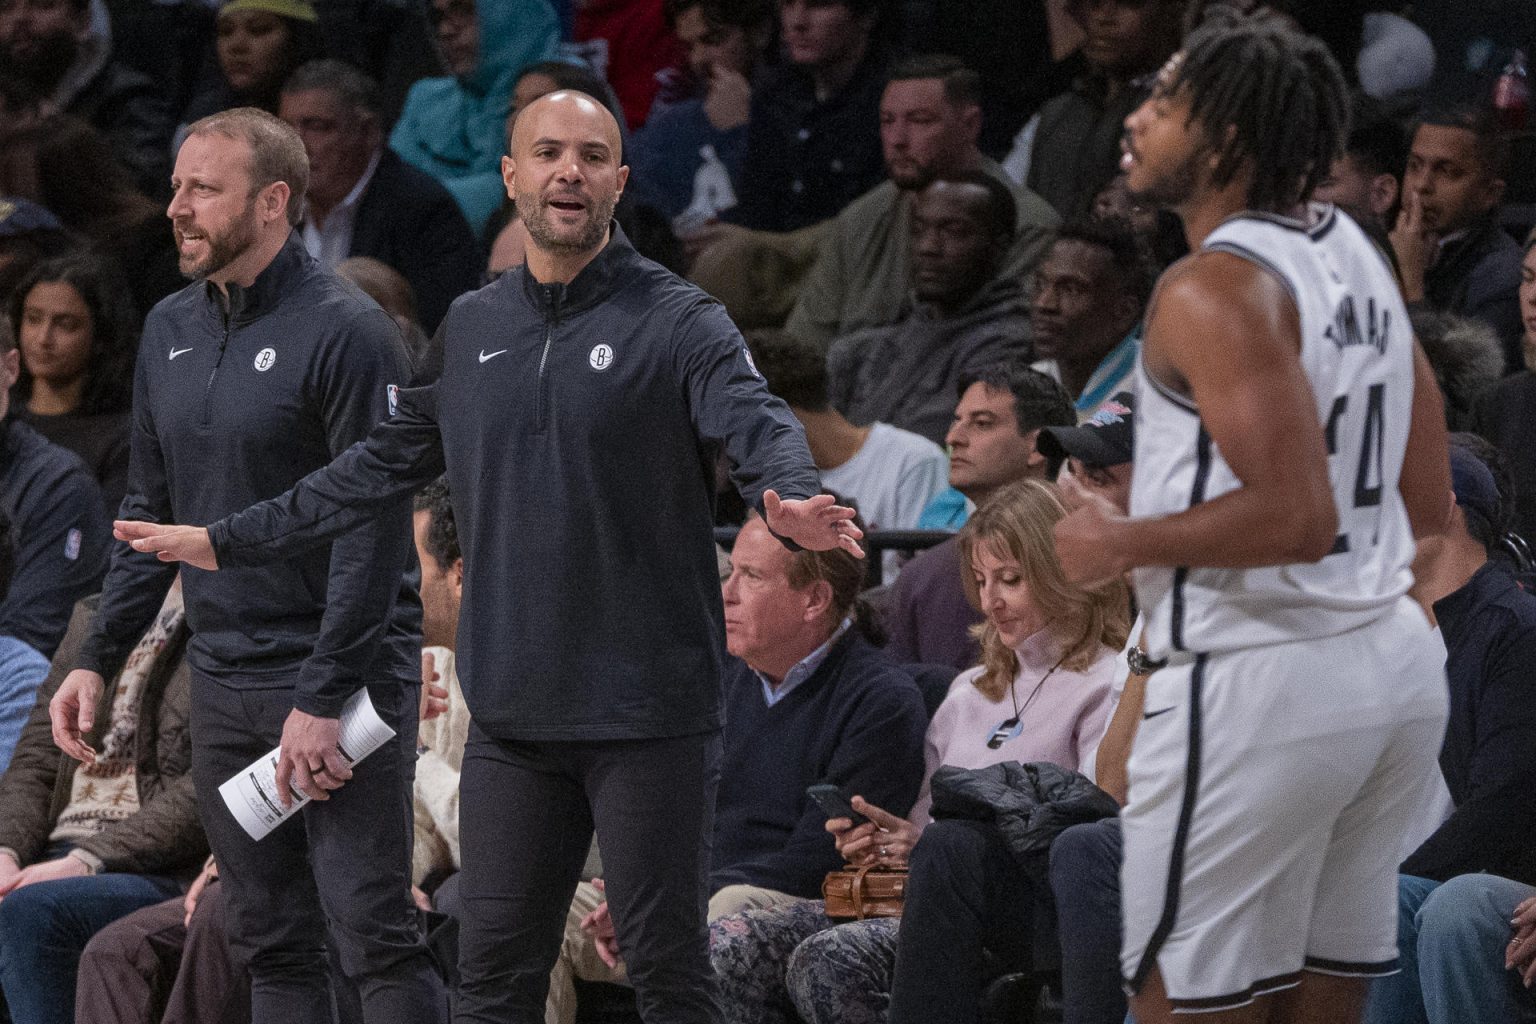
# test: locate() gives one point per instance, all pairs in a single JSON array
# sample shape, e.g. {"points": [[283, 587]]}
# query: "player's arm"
{"points": [[770, 461], [1232, 332], [400, 456], [1426, 477], [354, 376]]}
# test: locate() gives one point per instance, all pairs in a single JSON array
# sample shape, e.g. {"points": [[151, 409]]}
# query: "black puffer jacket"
{"points": [[1030, 803]]}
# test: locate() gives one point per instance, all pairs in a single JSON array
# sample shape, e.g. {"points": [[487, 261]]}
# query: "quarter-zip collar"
{"points": [[596, 282], [279, 277]]}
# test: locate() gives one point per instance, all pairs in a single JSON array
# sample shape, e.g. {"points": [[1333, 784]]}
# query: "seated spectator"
{"points": [[53, 548], [385, 285], [1160, 231], [454, 127], [992, 443], [1451, 252], [1048, 652], [1488, 759], [29, 234], [1366, 180], [1466, 356], [632, 45], [363, 200], [65, 166], [889, 473], [808, 700], [259, 44], [930, 122], [170, 963], [61, 50], [930, 118], [1472, 953], [444, 717], [1071, 149], [967, 315], [687, 161], [812, 146], [1506, 414], [79, 334], [84, 843], [1086, 302]]}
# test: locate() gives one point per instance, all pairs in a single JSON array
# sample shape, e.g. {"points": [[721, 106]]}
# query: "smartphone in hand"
{"points": [[834, 802]]}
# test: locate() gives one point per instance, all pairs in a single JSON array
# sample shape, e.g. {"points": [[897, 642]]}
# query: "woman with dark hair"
{"points": [[78, 336], [259, 44]]}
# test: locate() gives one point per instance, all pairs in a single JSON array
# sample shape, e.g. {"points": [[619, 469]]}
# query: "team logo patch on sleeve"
{"points": [[72, 541], [747, 354], [392, 392]]}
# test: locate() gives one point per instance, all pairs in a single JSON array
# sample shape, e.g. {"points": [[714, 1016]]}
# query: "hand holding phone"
{"points": [[834, 803]]}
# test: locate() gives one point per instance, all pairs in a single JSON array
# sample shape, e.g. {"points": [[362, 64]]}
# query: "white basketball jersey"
{"points": [[1357, 351]]}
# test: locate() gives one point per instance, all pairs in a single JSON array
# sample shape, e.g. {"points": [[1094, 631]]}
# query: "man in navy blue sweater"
{"points": [[808, 699]]}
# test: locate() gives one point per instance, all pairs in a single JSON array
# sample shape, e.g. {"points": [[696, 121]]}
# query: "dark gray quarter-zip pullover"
{"points": [[233, 406], [578, 425]]}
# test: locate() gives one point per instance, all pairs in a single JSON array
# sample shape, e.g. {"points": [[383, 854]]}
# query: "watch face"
{"points": [[1140, 664]]}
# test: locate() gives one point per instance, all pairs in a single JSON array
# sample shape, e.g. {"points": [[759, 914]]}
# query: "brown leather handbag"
{"points": [[858, 893]]}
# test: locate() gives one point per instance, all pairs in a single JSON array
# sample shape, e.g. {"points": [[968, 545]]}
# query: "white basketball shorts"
{"points": [[1269, 792]]}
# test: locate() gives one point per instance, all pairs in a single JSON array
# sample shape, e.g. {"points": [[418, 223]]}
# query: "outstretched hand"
{"points": [[816, 524], [188, 544]]}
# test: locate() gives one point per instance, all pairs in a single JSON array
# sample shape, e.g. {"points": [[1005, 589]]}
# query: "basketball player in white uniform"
{"points": [[1290, 445]]}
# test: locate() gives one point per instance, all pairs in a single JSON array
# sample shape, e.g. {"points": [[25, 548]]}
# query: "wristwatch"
{"points": [[1141, 664]]}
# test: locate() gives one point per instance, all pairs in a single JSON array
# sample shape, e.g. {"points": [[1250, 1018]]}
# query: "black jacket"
{"points": [[409, 221], [1489, 755], [1478, 276], [808, 158], [59, 535], [230, 409], [1031, 803], [579, 426]]}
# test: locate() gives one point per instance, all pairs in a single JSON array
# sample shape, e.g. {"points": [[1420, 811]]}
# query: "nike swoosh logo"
{"points": [[180, 351], [1154, 714], [493, 355]]}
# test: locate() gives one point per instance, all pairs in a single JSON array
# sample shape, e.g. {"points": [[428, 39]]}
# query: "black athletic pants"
{"points": [[527, 814], [342, 863]]}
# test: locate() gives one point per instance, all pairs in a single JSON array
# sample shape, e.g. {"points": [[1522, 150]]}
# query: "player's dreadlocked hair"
{"points": [[1270, 95]]}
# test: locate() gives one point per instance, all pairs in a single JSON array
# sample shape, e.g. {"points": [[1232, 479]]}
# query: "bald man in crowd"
{"points": [[584, 395]]}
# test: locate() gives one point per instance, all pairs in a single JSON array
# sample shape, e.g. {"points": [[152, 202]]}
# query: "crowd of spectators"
{"points": [[913, 212]]}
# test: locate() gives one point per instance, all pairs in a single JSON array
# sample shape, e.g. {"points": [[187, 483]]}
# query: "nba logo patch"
{"points": [[72, 542], [392, 392], [750, 364]]}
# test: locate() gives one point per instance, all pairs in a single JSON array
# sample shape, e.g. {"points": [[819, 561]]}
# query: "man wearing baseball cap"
{"points": [[1097, 452]]}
